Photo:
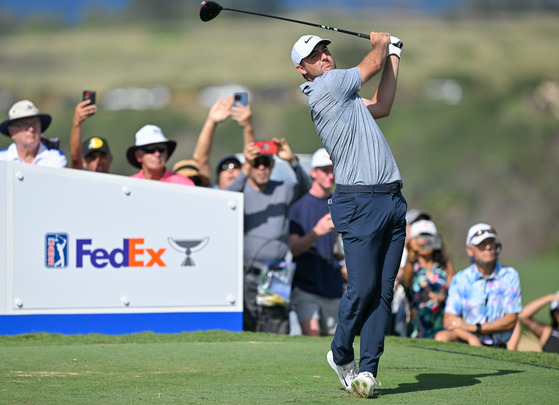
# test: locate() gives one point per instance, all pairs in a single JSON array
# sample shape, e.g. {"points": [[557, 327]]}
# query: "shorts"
{"points": [[311, 306]]}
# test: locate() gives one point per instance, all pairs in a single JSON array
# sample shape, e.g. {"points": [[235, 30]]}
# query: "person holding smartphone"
{"points": [[93, 154]]}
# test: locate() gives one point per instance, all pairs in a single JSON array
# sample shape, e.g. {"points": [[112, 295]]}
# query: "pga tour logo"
{"points": [[56, 250]]}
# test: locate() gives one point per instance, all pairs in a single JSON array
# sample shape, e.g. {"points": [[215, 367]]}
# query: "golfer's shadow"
{"points": [[432, 381]]}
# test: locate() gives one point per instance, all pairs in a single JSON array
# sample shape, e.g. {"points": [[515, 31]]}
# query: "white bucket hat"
{"points": [[149, 135], [320, 158], [304, 46], [25, 109]]}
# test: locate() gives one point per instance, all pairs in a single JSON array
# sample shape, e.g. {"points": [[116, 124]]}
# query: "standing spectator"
{"points": [[229, 167], [150, 154], [318, 283], [426, 280], [548, 335], [266, 228], [26, 125], [93, 154], [367, 207], [484, 299]]}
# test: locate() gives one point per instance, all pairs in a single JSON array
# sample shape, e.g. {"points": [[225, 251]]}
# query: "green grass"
{"points": [[245, 368]]}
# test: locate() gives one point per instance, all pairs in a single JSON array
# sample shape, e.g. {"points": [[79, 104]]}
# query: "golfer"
{"points": [[367, 207]]}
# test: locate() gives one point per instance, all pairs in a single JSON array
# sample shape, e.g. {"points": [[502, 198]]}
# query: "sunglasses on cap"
{"points": [[229, 165], [265, 161], [484, 231], [152, 149]]}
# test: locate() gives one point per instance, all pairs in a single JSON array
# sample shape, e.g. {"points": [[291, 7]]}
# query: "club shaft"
{"points": [[357, 34]]}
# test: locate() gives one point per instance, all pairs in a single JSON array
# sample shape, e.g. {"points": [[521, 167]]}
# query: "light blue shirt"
{"points": [[348, 131], [479, 299]]}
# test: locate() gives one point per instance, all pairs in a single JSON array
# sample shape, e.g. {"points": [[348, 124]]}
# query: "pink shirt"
{"points": [[168, 177]]}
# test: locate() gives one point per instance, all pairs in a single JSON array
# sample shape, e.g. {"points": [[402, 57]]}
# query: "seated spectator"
{"points": [[94, 153], [26, 125], [318, 283], [229, 167], [189, 168], [426, 280], [400, 308], [548, 335], [484, 299], [266, 228], [150, 153]]}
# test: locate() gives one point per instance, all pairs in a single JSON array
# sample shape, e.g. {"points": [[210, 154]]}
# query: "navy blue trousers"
{"points": [[373, 228]]}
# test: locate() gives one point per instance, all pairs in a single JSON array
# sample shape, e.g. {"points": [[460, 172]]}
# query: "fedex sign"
{"points": [[132, 254]]}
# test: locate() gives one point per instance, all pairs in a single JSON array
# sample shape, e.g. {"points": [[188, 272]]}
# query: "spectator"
{"points": [[367, 206], [150, 154], [93, 154], [190, 169], [400, 305], [548, 335], [318, 283], [26, 125], [484, 299], [426, 280], [229, 167], [266, 228]]}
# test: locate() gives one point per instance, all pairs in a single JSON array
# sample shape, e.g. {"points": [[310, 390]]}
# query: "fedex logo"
{"points": [[132, 254]]}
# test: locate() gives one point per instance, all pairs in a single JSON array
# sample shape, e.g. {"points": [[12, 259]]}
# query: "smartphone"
{"points": [[89, 95], [241, 98], [267, 147]]}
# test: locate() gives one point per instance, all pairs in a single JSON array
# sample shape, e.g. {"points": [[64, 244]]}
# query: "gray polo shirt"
{"points": [[348, 131]]}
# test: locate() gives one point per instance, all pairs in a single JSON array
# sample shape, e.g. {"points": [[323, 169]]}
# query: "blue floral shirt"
{"points": [[479, 299]]}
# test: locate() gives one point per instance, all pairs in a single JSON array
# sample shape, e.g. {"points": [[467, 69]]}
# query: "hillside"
{"points": [[492, 156]]}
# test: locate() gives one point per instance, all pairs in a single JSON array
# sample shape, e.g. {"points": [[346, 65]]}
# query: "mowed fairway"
{"points": [[246, 368]]}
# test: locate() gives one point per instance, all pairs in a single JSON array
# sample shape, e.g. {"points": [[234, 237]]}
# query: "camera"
{"points": [[267, 147], [431, 242], [241, 98], [89, 95]]}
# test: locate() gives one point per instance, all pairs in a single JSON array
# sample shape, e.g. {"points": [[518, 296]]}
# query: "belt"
{"points": [[391, 188]]}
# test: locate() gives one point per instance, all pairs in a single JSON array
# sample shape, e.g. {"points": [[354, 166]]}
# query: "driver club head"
{"points": [[209, 10]]}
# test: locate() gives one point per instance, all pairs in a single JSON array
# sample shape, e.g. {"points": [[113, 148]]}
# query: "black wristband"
{"points": [[478, 328]]}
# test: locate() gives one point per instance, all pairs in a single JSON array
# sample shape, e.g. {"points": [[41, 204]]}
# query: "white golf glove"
{"points": [[395, 46]]}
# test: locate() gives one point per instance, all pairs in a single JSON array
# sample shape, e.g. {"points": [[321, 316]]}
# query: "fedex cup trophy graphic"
{"points": [[188, 246]]}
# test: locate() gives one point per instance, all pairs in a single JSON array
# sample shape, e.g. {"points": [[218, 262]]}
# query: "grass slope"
{"points": [[244, 368]]}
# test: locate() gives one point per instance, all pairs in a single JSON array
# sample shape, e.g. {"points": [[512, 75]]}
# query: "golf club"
{"points": [[210, 10]]}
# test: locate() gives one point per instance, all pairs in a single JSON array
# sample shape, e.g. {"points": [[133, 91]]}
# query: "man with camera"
{"points": [[266, 226]]}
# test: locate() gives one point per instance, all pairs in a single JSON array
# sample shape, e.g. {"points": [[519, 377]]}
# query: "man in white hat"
{"points": [[25, 126], [150, 154], [484, 299], [318, 284]]}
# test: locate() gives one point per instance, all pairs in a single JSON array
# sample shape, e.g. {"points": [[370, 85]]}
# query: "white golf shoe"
{"points": [[346, 373], [364, 384]]}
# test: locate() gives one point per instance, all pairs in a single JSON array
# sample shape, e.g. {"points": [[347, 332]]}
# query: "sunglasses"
{"points": [[229, 165], [152, 149], [484, 231], [264, 161]]}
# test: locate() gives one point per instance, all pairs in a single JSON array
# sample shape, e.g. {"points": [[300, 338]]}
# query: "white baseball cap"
{"points": [[423, 227], [304, 46], [479, 232], [320, 158]]}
